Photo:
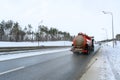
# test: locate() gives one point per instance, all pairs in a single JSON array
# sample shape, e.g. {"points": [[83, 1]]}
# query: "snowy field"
{"points": [[105, 65], [26, 44]]}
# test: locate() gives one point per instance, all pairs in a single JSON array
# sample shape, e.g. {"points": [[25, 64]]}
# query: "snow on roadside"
{"points": [[114, 58], [25, 44], [100, 68], [105, 65], [28, 54]]}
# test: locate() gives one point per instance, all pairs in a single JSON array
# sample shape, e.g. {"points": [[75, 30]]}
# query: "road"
{"points": [[56, 66]]}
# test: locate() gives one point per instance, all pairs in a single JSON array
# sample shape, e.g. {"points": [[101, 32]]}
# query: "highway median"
{"points": [[9, 49]]}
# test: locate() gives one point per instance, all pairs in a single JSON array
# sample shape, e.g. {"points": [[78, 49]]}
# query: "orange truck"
{"points": [[83, 43]]}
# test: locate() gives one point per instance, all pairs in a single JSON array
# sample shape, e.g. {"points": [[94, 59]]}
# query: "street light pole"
{"points": [[112, 30], [112, 25]]}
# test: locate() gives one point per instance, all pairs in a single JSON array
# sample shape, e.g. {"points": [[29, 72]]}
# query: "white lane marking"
{"points": [[12, 70]]}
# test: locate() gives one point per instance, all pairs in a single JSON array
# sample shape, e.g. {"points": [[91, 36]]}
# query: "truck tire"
{"points": [[88, 49], [93, 49]]}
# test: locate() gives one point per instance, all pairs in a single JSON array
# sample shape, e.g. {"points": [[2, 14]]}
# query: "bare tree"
{"points": [[15, 31], [1, 32]]}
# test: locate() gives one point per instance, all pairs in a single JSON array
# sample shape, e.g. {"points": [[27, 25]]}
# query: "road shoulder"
{"points": [[99, 68]]}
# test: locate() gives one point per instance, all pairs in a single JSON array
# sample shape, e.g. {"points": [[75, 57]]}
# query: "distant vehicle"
{"points": [[83, 43]]}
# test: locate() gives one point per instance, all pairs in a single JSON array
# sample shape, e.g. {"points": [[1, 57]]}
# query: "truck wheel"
{"points": [[88, 52], [76, 53], [92, 49], [88, 49]]}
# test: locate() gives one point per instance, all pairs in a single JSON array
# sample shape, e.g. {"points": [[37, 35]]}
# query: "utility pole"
{"points": [[112, 25]]}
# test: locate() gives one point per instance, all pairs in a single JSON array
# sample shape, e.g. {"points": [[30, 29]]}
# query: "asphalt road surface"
{"points": [[55, 66]]}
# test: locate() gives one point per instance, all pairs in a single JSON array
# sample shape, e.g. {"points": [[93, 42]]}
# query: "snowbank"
{"points": [[28, 54], [25, 44], [105, 65], [114, 59], [100, 68]]}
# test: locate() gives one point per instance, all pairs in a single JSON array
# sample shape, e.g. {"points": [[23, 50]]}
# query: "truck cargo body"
{"points": [[82, 44]]}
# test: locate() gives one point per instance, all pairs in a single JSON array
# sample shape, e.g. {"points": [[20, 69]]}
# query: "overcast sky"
{"points": [[67, 15]]}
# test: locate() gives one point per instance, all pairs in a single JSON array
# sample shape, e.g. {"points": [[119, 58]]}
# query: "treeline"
{"points": [[12, 31]]}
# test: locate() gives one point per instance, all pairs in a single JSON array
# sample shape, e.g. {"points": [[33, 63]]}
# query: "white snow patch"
{"points": [[27, 54], [100, 69], [25, 44], [107, 65], [14, 56], [114, 58]]}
